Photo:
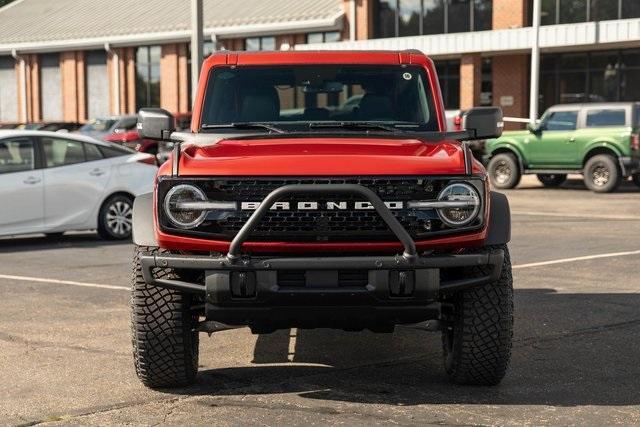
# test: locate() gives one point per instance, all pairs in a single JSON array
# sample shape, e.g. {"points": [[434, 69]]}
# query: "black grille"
{"points": [[315, 225]]}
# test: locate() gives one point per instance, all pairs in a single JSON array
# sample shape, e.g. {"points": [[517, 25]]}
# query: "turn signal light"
{"points": [[635, 142]]}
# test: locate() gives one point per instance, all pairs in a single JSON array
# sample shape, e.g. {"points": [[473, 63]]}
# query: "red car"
{"points": [[281, 210]]}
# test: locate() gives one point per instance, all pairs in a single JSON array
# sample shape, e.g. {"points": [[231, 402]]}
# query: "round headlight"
{"points": [[180, 215], [460, 204]]}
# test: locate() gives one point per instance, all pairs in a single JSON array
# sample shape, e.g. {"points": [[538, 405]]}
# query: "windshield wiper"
{"points": [[354, 125], [244, 125]]}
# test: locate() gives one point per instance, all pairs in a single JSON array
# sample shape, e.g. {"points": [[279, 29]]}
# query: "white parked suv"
{"points": [[51, 183]]}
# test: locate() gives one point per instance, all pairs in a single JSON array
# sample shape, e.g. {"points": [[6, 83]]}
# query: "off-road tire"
{"points": [[602, 164], [477, 341], [164, 336], [105, 230], [552, 180], [504, 171], [636, 179]]}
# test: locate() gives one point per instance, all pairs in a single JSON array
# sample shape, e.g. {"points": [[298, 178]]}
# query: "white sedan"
{"points": [[51, 183]]}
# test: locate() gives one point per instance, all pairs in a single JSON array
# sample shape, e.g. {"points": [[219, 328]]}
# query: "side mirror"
{"points": [[534, 128], [483, 122], [156, 123]]}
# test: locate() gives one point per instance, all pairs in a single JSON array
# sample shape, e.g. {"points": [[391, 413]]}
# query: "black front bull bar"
{"points": [[426, 267]]}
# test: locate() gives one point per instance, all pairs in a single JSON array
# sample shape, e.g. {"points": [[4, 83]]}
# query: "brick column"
{"points": [[169, 90], [511, 72], [470, 80], [509, 14], [32, 64], [73, 86], [511, 86], [183, 78]]}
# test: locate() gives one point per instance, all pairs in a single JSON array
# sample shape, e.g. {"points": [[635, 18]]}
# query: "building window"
{"points": [[433, 16], [589, 77], [398, 18], [326, 37], [260, 43], [571, 11], [449, 77], [486, 94], [148, 76]]}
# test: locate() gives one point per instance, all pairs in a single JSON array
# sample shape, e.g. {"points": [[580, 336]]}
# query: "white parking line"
{"points": [[580, 258], [124, 288], [62, 282], [584, 216]]}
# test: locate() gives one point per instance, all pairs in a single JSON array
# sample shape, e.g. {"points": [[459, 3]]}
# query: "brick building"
{"points": [[74, 60]]}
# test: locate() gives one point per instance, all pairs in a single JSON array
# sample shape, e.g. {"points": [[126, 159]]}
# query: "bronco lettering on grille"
{"points": [[314, 206]]}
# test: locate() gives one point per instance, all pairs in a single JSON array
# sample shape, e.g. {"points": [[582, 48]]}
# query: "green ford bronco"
{"points": [[600, 141]]}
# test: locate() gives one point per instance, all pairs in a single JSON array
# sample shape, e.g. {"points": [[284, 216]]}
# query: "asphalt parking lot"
{"points": [[65, 353]]}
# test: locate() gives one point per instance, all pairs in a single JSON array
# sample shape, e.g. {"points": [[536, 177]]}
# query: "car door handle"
{"points": [[32, 180], [96, 172], [572, 139]]}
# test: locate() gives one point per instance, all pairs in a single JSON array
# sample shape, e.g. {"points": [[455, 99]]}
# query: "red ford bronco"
{"points": [[321, 190]]}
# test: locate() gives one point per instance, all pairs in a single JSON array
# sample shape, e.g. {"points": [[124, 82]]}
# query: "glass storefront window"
{"points": [[603, 10], [548, 12], [260, 43], [409, 12], [433, 17], [630, 9], [606, 76], [148, 76], [397, 18], [449, 78], [385, 18], [459, 16], [572, 11], [482, 15]]}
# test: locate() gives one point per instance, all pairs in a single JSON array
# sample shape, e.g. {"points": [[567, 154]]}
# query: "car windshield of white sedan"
{"points": [[326, 94]]}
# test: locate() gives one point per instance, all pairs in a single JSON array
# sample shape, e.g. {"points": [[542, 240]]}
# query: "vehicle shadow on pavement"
{"points": [[578, 184], [569, 350], [40, 242]]}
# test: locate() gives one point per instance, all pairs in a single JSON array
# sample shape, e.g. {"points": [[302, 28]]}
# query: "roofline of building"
{"points": [[332, 23]]}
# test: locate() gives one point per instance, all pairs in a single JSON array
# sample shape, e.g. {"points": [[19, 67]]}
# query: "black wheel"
{"points": [[116, 218], [479, 330], [552, 179], [504, 171], [164, 336], [602, 174], [636, 179]]}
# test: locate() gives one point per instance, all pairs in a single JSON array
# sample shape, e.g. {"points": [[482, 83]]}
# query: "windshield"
{"points": [[303, 94], [98, 125]]}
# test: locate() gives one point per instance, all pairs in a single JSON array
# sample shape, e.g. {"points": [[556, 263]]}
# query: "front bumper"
{"points": [[349, 292], [252, 291]]}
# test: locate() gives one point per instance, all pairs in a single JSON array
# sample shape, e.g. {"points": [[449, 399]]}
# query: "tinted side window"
{"points": [[601, 118], [109, 152], [16, 155], [62, 152], [562, 120], [637, 122], [127, 124], [92, 152]]}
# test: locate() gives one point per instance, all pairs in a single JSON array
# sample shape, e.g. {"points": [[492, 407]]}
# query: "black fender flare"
{"points": [[499, 232], [143, 229]]}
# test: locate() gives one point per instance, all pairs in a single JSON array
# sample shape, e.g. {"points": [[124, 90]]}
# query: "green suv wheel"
{"points": [[552, 180], [602, 174], [636, 179], [504, 171]]}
